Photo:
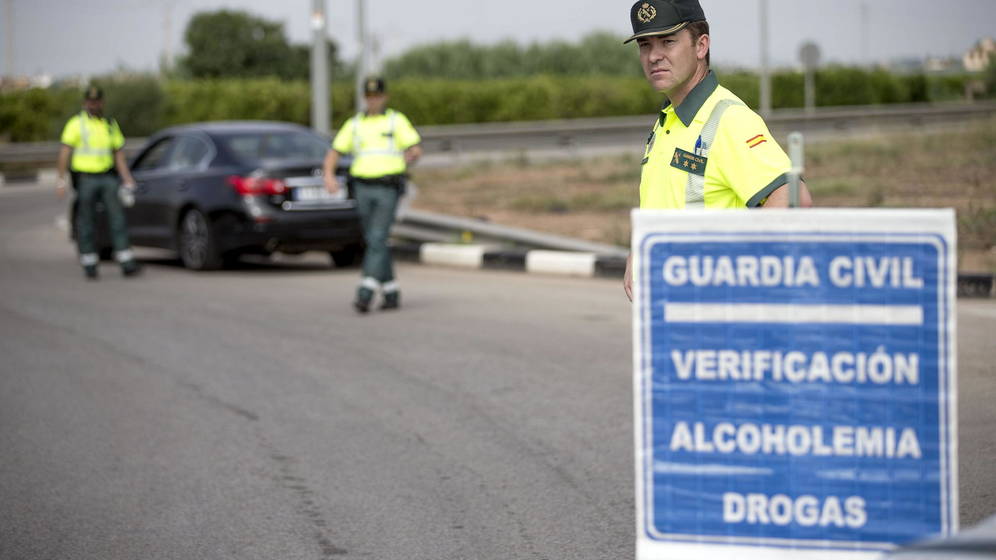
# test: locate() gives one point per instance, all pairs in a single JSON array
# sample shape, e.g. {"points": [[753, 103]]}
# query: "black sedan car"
{"points": [[215, 191]]}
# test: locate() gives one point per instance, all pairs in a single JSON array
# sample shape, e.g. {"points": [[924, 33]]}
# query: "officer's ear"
{"points": [[702, 47]]}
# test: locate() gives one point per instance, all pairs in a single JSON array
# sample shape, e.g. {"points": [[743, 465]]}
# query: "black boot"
{"points": [[90, 271], [130, 268], [392, 300], [363, 298]]}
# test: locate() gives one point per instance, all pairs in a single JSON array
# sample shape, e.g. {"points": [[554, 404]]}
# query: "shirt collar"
{"points": [[694, 100]]}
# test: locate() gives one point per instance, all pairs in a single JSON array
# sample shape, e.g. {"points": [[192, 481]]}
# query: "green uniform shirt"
{"points": [[377, 142], [94, 141], [738, 169]]}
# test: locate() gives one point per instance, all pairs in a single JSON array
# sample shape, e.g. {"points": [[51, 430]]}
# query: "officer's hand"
{"points": [[331, 184], [628, 278], [412, 154], [60, 187]]}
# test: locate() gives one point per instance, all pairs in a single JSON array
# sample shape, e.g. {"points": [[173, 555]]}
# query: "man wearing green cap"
{"points": [[95, 143], [707, 149], [383, 144]]}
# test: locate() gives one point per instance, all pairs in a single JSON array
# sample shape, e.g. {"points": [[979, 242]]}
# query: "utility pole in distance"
{"points": [[361, 56], [320, 105], [167, 58], [865, 60], [8, 51], [765, 74]]}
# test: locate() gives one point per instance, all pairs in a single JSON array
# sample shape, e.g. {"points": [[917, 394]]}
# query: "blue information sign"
{"points": [[794, 381]]}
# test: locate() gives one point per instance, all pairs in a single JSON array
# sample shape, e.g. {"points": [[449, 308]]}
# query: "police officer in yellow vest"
{"points": [[707, 149], [95, 143], [383, 144]]}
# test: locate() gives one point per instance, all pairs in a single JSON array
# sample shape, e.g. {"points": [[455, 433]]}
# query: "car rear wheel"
{"points": [[196, 243], [345, 257]]}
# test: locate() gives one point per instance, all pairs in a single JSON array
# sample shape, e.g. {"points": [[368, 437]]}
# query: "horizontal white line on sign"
{"points": [[663, 467], [896, 315]]}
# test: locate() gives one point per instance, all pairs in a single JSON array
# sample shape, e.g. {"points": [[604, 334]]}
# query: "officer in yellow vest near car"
{"points": [[707, 149], [95, 143], [383, 144]]}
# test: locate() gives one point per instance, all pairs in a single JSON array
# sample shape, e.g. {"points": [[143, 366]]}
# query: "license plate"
{"points": [[317, 194]]}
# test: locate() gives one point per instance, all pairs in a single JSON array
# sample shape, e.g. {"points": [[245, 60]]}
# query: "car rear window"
{"points": [[252, 147]]}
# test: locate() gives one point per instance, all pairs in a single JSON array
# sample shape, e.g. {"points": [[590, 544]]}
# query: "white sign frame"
{"points": [[840, 224]]}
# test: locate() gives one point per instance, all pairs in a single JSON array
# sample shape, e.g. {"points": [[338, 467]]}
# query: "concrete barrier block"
{"points": [[561, 262], [464, 256]]}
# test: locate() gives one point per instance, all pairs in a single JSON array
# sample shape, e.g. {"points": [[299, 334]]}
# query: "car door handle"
{"points": [[141, 188], [183, 186]]}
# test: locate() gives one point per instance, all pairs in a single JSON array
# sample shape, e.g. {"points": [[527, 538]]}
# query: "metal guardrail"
{"points": [[610, 131], [431, 227], [632, 131], [416, 227]]}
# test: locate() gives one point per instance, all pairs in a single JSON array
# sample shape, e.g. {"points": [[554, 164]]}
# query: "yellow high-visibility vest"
{"points": [[377, 143], [94, 141], [711, 151]]}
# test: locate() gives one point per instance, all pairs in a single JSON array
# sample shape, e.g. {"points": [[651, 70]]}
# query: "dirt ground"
{"points": [[591, 198]]}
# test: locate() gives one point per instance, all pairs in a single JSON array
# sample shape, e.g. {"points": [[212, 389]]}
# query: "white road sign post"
{"points": [[794, 382]]}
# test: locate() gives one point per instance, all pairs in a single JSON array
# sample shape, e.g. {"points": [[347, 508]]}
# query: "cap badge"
{"points": [[646, 13]]}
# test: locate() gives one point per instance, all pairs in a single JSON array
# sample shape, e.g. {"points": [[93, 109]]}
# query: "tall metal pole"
{"points": [[797, 154], [765, 74], [320, 105], [167, 60], [8, 18], [361, 55], [809, 90], [864, 34]]}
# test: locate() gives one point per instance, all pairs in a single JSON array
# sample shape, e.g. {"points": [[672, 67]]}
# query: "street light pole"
{"points": [[8, 18], [167, 60], [765, 74], [864, 34], [361, 55], [320, 105]]}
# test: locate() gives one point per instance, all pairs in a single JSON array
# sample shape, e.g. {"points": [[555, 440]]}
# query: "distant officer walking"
{"points": [[95, 143], [383, 144], [707, 149]]}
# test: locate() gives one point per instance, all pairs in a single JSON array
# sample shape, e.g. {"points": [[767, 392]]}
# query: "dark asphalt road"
{"points": [[250, 414]]}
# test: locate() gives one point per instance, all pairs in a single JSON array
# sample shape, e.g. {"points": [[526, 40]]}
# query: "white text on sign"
{"points": [[877, 368], [789, 271]]}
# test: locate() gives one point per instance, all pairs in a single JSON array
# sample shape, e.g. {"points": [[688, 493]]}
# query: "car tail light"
{"points": [[257, 185]]}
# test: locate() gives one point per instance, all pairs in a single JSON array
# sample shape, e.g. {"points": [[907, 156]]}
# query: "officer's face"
{"points": [[375, 102], [669, 61], [94, 106]]}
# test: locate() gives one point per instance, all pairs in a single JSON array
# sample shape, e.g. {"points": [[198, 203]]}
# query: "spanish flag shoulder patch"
{"points": [[757, 141]]}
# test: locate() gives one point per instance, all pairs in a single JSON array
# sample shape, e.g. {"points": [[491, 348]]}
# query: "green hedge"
{"points": [[144, 104]]}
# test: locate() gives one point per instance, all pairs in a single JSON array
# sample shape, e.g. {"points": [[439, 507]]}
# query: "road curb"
{"points": [[536, 261], [580, 264]]}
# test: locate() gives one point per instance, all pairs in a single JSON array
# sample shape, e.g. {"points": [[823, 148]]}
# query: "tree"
{"points": [[598, 53], [237, 44], [990, 77]]}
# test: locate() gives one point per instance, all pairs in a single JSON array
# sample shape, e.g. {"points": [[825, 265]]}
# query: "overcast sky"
{"points": [[63, 37]]}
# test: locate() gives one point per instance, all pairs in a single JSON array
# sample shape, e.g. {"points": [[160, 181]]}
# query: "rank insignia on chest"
{"points": [[687, 161]]}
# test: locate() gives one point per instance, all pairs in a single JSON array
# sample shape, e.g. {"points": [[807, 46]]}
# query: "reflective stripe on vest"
{"points": [[85, 149], [695, 189], [359, 152]]}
